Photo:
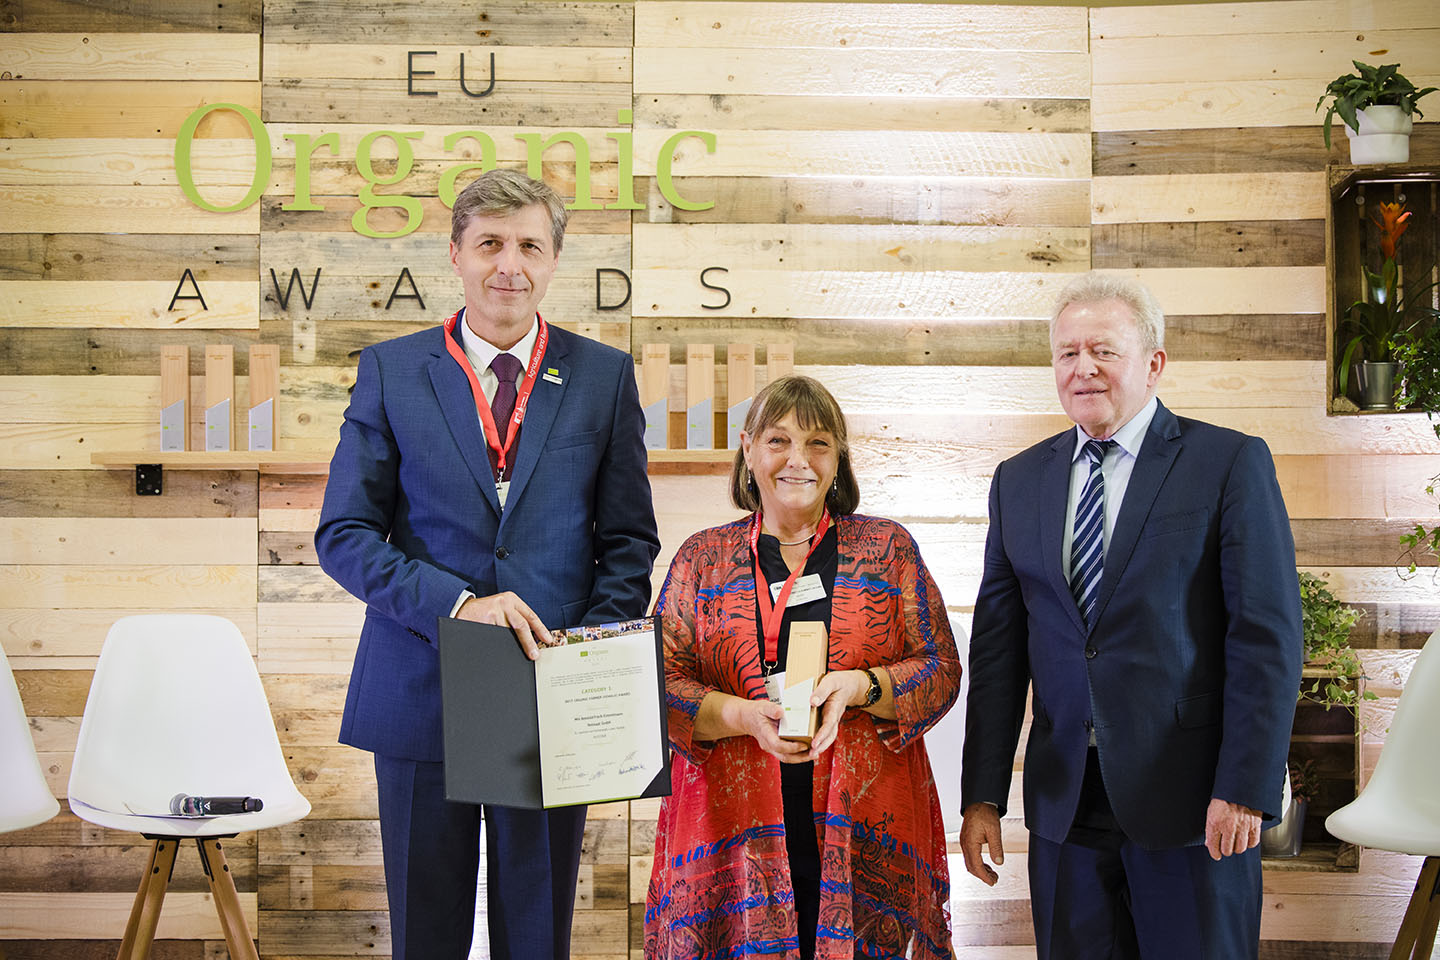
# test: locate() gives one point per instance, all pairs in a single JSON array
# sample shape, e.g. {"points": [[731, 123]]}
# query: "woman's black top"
{"points": [[797, 779]]}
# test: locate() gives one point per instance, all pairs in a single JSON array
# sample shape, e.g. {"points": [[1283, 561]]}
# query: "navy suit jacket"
{"points": [[1190, 670], [411, 517]]}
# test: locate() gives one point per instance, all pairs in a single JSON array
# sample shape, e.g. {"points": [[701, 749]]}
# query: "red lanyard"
{"points": [[771, 616], [482, 406]]}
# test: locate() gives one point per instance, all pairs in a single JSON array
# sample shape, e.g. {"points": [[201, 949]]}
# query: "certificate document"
{"points": [[583, 724], [599, 716]]}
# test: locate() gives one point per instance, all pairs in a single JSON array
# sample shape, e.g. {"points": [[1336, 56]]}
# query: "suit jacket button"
{"points": [[1090, 653], [502, 552]]}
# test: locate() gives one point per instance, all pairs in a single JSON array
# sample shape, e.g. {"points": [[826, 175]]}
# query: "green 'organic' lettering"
{"points": [[369, 199], [186, 175]]}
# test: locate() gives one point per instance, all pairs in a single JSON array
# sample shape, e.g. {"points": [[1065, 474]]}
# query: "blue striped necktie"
{"points": [[1087, 547]]}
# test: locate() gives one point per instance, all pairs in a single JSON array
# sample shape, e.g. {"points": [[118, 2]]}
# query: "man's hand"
{"points": [[507, 610], [1230, 828], [982, 828]]}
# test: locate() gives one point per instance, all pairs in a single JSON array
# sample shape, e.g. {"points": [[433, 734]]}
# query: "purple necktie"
{"points": [[506, 368]]}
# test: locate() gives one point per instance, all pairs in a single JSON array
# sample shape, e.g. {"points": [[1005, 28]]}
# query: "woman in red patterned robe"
{"points": [[772, 847]]}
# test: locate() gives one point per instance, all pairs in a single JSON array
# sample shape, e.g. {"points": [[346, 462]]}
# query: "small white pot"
{"points": [[1383, 137]]}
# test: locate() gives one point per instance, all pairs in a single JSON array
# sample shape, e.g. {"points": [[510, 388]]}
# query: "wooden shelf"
{"points": [[691, 462], [266, 461], [682, 462], [1317, 858]]}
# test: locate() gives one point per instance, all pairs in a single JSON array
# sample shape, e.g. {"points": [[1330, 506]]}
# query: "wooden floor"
{"points": [[1354, 914]]}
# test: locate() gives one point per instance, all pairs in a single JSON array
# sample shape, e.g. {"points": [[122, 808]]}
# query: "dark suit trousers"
{"points": [[1099, 896], [432, 856]]}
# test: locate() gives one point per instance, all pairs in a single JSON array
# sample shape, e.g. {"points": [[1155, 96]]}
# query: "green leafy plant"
{"points": [[1371, 86], [1424, 540], [1419, 355], [1326, 624], [1420, 388], [1304, 780]]}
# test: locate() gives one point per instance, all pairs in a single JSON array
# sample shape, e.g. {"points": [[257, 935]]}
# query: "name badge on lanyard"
{"points": [[772, 609], [500, 446], [807, 589]]}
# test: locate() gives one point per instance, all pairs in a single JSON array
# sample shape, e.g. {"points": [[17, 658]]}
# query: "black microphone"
{"points": [[184, 805]]}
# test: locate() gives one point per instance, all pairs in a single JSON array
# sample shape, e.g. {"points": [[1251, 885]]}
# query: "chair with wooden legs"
{"points": [[176, 710], [1399, 809], [26, 800]]}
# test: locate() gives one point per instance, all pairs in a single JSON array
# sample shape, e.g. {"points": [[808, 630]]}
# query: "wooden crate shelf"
{"points": [[1352, 240], [1331, 738], [1318, 857]]}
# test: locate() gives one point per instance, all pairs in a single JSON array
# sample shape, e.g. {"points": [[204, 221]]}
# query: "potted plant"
{"points": [[1334, 669], [1377, 105], [1419, 356], [1283, 840], [1383, 319]]}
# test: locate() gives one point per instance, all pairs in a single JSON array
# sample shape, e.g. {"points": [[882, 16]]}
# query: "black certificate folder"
{"points": [[491, 718]]}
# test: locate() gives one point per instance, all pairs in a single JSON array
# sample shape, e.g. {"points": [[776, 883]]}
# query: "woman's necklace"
{"points": [[794, 543]]}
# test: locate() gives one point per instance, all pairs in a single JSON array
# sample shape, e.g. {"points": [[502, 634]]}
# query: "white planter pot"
{"points": [[1383, 137]]}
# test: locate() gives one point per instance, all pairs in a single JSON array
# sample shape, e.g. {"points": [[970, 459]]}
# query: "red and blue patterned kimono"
{"points": [[720, 886]]}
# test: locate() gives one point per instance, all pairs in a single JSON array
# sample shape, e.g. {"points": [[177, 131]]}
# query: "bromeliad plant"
{"points": [[1371, 87], [1382, 318]]}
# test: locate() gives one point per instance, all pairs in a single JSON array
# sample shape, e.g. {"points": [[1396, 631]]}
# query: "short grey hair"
{"points": [[501, 193], [1095, 287]]}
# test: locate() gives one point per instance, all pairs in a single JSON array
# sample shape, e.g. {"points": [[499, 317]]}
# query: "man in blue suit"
{"points": [[1140, 577], [490, 469]]}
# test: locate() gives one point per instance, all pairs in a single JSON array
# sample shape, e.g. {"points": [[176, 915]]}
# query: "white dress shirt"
{"points": [[481, 353], [1115, 468]]}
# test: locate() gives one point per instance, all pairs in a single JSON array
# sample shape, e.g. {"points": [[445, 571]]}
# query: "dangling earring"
{"points": [[750, 481]]}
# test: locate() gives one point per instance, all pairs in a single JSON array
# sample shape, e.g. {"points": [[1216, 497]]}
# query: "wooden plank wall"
{"points": [[96, 237], [898, 190], [1208, 185]]}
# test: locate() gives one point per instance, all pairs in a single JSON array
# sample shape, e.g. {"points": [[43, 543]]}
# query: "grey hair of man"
{"points": [[1097, 287], [502, 193]]}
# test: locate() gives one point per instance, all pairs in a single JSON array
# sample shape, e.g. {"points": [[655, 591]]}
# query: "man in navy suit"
{"points": [[1140, 577], [490, 469]]}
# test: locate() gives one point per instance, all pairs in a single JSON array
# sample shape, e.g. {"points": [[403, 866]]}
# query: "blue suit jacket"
{"points": [[411, 517], [1190, 670]]}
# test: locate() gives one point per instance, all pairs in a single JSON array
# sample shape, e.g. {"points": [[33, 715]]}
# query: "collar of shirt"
{"points": [[481, 353], [1129, 437]]}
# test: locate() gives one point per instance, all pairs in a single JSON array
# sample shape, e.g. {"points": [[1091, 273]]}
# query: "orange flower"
{"points": [[1392, 223]]}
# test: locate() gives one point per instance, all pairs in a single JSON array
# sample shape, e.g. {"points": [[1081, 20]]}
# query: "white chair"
{"points": [[26, 799], [176, 707], [1399, 809]]}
